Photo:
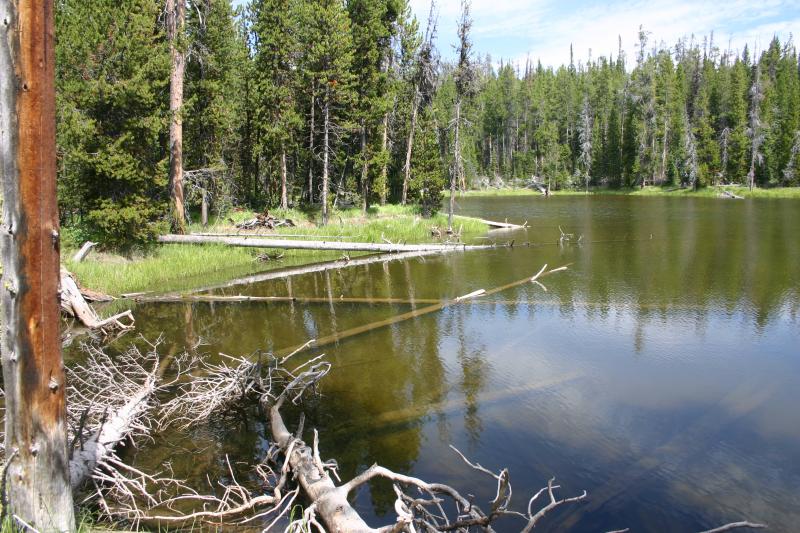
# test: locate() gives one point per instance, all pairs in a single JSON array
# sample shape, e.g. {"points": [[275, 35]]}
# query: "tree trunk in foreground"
{"points": [[176, 15], [36, 476]]}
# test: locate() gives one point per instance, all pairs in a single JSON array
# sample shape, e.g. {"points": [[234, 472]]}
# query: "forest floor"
{"points": [[172, 267], [652, 190]]}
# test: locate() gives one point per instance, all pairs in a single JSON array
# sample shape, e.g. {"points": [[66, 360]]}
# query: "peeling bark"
{"points": [[36, 473]]}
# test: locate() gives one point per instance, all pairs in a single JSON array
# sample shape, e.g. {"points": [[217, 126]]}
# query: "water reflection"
{"points": [[659, 373]]}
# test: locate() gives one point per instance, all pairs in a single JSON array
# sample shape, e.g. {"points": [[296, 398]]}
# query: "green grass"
{"points": [[705, 192], [181, 267]]}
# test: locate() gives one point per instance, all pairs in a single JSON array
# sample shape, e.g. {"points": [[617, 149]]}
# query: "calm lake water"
{"points": [[661, 372]]}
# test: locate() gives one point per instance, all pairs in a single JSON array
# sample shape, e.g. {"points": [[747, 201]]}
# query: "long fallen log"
{"points": [[257, 242], [358, 330], [297, 271], [502, 225]]}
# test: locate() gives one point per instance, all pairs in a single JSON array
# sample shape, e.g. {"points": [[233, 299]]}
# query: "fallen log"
{"points": [[296, 271], [502, 225], [74, 304], [728, 194], [358, 330], [257, 242], [81, 254]]}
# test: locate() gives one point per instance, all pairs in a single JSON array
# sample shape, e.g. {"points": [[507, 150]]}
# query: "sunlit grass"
{"points": [[174, 267]]}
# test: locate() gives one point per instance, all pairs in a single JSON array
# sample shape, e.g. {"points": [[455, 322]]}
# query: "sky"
{"points": [[514, 30], [544, 29]]}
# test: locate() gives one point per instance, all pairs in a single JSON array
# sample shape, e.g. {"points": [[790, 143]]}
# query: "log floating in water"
{"points": [[74, 304], [728, 194], [258, 242], [502, 225]]}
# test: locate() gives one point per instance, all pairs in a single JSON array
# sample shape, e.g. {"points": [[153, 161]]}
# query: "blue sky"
{"points": [[543, 29]]}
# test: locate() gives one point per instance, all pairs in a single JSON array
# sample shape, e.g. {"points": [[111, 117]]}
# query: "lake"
{"points": [[661, 372]]}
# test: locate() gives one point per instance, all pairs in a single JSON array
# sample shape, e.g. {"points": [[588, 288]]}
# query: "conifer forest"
{"points": [[291, 102]]}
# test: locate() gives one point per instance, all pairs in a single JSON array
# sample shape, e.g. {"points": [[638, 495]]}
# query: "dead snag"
{"points": [[36, 479]]}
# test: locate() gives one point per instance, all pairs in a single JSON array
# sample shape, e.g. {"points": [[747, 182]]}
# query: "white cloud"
{"points": [[544, 29]]}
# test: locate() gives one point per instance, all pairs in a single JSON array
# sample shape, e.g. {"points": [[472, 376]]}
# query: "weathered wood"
{"points": [[81, 254], [359, 330], [502, 225], [317, 245], [36, 477], [73, 304], [728, 194], [101, 445], [307, 269]]}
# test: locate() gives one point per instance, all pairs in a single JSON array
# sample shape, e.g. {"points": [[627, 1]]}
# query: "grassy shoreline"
{"points": [[173, 267], [652, 190]]}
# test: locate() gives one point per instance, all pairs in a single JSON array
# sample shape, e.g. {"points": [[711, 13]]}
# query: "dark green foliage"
{"points": [[112, 86]]}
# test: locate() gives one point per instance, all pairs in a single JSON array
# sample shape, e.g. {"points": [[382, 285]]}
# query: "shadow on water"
{"points": [[659, 373]]}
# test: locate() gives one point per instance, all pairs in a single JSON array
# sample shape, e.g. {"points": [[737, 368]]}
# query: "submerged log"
{"points": [[317, 245]]}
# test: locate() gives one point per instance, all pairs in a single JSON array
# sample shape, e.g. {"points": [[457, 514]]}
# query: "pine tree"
{"points": [[111, 80]]}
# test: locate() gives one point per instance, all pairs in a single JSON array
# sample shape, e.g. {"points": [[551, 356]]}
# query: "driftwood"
{"points": [[359, 330], [316, 245], [728, 194], [81, 254], [503, 225], [265, 220], [74, 304]]}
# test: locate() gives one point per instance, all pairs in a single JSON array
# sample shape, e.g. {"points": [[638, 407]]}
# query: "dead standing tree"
{"points": [[465, 78], [36, 477]]}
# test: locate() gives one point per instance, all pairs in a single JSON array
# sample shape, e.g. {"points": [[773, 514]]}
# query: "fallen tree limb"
{"points": [[73, 304], [257, 242], [81, 254], [358, 330]]}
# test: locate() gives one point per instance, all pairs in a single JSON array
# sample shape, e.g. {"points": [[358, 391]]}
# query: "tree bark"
{"points": [[364, 169], [409, 148], [384, 185], [456, 168], [284, 197], [204, 208], [36, 473], [311, 152], [326, 150], [176, 15]]}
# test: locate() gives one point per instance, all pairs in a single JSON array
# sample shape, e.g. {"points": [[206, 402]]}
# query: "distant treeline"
{"points": [[328, 95]]}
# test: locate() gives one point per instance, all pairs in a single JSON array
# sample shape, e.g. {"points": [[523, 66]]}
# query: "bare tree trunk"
{"points": [[284, 197], [326, 150], [176, 15], [454, 176], [409, 147], [664, 151], [36, 475], [364, 169], [311, 150], [204, 208], [384, 185]]}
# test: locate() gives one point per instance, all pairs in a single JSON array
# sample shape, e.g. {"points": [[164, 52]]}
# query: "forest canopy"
{"points": [[349, 103]]}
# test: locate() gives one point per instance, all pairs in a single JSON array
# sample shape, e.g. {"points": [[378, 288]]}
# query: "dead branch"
{"points": [[81, 254], [74, 304], [735, 525]]}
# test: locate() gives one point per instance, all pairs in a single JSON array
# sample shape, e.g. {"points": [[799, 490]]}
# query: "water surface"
{"points": [[660, 372]]}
